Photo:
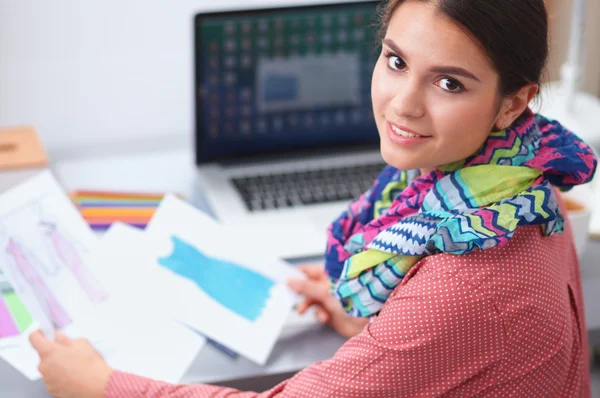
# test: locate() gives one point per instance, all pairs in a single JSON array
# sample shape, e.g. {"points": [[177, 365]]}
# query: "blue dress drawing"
{"points": [[237, 288]]}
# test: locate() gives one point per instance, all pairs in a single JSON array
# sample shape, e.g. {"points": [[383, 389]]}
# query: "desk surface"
{"points": [[299, 346]]}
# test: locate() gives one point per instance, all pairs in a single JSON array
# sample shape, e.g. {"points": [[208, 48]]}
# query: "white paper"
{"points": [[140, 341], [44, 254], [21, 355], [241, 302], [23, 358], [44, 251]]}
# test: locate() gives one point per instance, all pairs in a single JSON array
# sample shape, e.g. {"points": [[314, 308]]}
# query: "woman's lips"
{"points": [[404, 136]]}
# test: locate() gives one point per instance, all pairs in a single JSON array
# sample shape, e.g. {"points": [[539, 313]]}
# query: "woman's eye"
{"points": [[450, 85], [396, 63]]}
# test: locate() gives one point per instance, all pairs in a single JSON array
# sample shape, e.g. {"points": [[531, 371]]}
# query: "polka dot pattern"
{"points": [[504, 322]]}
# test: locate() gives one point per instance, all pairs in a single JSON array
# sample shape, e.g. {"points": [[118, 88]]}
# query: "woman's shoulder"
{"points": [[526, 282], [528, 261]]}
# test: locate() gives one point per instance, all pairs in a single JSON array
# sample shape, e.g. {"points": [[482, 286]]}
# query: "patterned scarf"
{"points": [[476, 203]]}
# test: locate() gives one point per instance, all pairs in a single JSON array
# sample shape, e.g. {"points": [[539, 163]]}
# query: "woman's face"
{"points": [[435, 92]]}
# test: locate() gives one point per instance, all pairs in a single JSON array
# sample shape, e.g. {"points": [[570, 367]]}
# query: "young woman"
{"points": [[456, 273]]}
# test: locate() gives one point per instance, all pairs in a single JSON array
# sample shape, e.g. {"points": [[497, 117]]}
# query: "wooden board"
{"points": [[20, 147]]}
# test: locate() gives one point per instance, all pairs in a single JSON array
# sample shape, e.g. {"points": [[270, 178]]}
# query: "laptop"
{"points": [[284, 128]]}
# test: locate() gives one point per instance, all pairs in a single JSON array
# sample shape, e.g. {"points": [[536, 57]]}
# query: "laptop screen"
{"points": [[284, 79]]}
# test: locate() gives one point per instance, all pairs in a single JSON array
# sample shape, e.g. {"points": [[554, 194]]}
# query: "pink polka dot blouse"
{"points": [[504, 322]]}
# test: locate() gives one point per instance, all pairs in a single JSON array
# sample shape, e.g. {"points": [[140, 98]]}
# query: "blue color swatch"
{"points": [[236, 287]]}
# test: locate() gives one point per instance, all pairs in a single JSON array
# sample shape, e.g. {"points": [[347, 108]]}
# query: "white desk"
{"points": [[173, 170]]}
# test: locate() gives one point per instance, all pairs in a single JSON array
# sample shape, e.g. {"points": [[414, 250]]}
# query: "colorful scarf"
{"points": [[476, 203]]}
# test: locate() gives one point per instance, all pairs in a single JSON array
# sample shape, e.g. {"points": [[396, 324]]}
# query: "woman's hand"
{"points": [[315, 290], [71, 368]]}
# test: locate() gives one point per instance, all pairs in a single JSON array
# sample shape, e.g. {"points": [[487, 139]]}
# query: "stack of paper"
{"points": [[101, 209], [144, 298], [230, 291], [48, 281]]}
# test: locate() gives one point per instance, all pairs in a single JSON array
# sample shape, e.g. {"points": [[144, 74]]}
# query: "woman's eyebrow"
{"points": [[454, 70], [390, 43], [448, 70]]}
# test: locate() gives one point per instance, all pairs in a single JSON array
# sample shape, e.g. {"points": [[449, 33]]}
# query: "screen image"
{"points": [[284, 79]]}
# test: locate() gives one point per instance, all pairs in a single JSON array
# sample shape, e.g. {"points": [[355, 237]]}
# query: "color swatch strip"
{"points": [[100, 209]]}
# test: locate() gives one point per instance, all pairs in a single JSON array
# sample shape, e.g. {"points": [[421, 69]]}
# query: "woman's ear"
{"points": [[514, 105]]}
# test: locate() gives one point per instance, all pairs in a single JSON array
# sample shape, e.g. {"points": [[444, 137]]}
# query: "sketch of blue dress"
{"points": [[237, 288]]}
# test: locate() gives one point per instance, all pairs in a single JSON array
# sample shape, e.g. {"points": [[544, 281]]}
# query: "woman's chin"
{"points": [[400, 159]]}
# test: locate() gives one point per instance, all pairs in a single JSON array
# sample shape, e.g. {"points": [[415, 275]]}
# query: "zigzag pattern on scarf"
{"points": [[458, 234], [408, 237], [366, 294], [518, 153]]}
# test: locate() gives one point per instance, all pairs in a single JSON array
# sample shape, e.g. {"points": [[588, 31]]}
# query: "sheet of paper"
{"points": [[133, 340], [44, 251], [140, 341], [23, 358], [20, 355], [231, 291], [44, 248], [125, 256]]}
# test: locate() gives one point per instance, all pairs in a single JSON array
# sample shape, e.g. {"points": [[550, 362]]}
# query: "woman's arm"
{"points": [[126, 385], [435, 333]]}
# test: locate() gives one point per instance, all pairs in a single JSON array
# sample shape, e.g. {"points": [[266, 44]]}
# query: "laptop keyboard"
{"points": [[275, 191]]}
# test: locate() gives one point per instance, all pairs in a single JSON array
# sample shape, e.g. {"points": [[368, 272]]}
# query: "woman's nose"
{"points": [[409, 99]]}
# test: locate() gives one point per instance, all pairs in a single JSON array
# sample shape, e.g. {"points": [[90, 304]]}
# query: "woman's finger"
{"points": [[301, 307], [40, 343], [61, 338], [304, 305], [323, 316], [312, 290], [313, 271]]}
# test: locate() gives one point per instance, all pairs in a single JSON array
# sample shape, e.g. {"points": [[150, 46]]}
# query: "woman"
{"points": [[455, 278]]}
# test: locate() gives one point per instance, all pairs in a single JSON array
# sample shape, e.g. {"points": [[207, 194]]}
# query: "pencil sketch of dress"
{"points": [[65, 251]]}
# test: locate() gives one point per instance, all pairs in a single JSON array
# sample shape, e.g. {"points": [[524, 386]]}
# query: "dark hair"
{"points": [[513, 33]]}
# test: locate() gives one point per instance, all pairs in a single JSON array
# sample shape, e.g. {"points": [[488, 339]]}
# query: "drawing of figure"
{"points": [[237, 288], [63, 249], [24, 264]]}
